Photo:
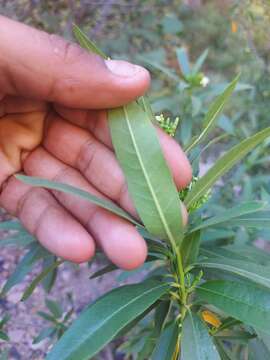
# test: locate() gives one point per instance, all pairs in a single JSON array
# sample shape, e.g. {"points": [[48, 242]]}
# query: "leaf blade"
{"points": [[224, 164], [244, 302], [196, 340], [101, 321], [146, 172]]}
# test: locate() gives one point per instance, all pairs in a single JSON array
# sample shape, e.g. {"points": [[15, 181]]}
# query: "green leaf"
{"points": [[35, 253], [245, 302], [106, 269], [213, 113], [161, 314], [11, 225], [196, 342], [54, 308], [149, 180], [49, 280], [28, 292], [190, 248], [167, 343], [22, 239], [45, 333], [5, 319], [101, 321], [182, 57], [229, 214], [224, 164], [199, 62], [105, 204], [3, 336], [254, 272], [86, 43], [260, 220]]}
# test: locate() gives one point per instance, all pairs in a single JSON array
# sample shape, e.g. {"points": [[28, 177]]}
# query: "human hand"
{"points": [[53, 125]]}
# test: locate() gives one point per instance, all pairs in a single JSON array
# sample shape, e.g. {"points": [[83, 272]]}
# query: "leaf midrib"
{"points": [[159, 209]]}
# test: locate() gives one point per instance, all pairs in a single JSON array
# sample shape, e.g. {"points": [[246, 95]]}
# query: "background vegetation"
{"points": [[231, 36]]}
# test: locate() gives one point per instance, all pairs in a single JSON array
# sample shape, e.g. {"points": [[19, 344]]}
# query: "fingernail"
{"points": [[122, 68]]}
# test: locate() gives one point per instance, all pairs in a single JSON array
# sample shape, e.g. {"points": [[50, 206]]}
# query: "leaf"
{"points": [[224, 164], [149, 180], [21, 239], [167, 343], [11, 225], [245, 302], [49, 280], [254, 272], [35, 253], [183, 61], [190, 248], [259, 220], [161, 314], [28, 292], [229, 214], [3, 336], [54, 308], [86, 43], [45, 333], [196, 343], [213, 113], [200, 61], [105, 204], [106, 269], [101, 321]]}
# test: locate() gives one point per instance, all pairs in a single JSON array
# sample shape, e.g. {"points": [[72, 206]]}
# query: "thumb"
{"points": [[40, 66]]}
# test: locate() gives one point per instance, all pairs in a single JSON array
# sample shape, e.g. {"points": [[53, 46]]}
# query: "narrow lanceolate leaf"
{"points": [[29, 291], [167, 343], [245, 302], [86, 43], [149, 180], [235, 212], [104, 319], [35, 254], [254, 272], [224, 164], [105, 204], [212, 114], [11, 225], [196, 343]]}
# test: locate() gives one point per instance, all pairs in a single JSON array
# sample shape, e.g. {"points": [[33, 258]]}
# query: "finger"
{"points": [[119, 239], [92, 158], [43, 217], [96, 122], [37, 65]]}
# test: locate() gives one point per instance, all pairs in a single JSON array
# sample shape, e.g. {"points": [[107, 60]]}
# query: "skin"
{"points": [[53, 124]]}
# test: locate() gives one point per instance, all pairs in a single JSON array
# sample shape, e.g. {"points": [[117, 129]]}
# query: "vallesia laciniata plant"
{"points": [[198, 302]]}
